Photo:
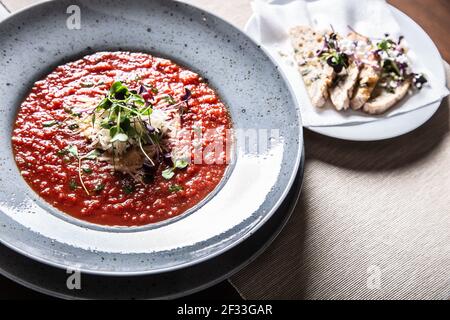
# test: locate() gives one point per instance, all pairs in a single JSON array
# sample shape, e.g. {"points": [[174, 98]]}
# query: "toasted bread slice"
{"points": [[367, 81], [368, 76], [341, 93], [384, 99], [317, 75]]}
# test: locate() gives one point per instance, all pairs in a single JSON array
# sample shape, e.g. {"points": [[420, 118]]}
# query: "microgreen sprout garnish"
{"points": [[87, 170], [337, 60], [395, 65], [386, 44], [187, 95], [128, 186], [73, 126], [153, 90], [175, 188], [181, 164], [332, 53], [128, 189], [127, 115], [50, 123], [169, 99], [72, 184], [388, 51], [72, 150], [62, 152], [99, 187], [185, 98], [170, 172], [92, 155], [390, 66], [125, 128]]}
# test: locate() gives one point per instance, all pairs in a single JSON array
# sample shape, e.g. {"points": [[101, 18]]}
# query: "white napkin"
{"points": [[372, 18], [3, 13]]}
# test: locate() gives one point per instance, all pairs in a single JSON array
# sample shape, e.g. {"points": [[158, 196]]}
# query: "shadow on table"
{"points": [[381, 155], [13, 291], [290, 246]]}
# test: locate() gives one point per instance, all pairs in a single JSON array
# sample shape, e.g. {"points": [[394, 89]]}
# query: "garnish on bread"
{"points": [[353, 71]]}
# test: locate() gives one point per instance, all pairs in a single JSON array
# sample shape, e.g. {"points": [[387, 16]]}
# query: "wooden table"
{"points": [[432, 15]]}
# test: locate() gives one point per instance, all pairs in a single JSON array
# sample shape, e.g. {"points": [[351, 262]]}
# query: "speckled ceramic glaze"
{"points": [[47, 279], [36, 40]]}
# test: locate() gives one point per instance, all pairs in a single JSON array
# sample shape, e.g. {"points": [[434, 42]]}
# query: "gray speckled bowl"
{"points": [[169, 285], [37, 39]]}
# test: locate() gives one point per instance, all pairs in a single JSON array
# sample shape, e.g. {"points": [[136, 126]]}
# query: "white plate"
{"points": [[396, 125]]}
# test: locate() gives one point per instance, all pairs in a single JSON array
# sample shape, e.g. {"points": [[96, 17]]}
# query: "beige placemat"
{"points": [[373, 222]]}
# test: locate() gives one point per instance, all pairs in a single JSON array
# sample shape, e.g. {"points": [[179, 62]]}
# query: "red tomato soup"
{"points": [[89, 190]]}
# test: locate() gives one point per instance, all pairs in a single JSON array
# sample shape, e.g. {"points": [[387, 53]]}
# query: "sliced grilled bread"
{"points": [[317, 75], [384, 99], [368, 76]]}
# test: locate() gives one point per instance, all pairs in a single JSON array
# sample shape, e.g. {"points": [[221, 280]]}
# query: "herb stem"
{"points": [[145, 154], [81, 176]]}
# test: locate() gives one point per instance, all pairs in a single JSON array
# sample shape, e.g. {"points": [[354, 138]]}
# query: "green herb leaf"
{"points": [[181, 164], [137, 100], [168, 174], [73, 184], [50, 123], [169, 99], [87, 170], [128, 189], [113, 131], [125, 124], [62, 152], [154, 90], [391, 66], [105, 124], [73, 150], [120, 137], [175, 188], [99, 187], [147, 111], [73, 126], [92, 155], [117, 87], [104, 104], [385, 44]]}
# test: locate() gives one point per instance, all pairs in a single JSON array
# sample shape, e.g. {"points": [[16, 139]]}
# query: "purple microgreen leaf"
{"points": [[149, 127], [187, 95]]}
